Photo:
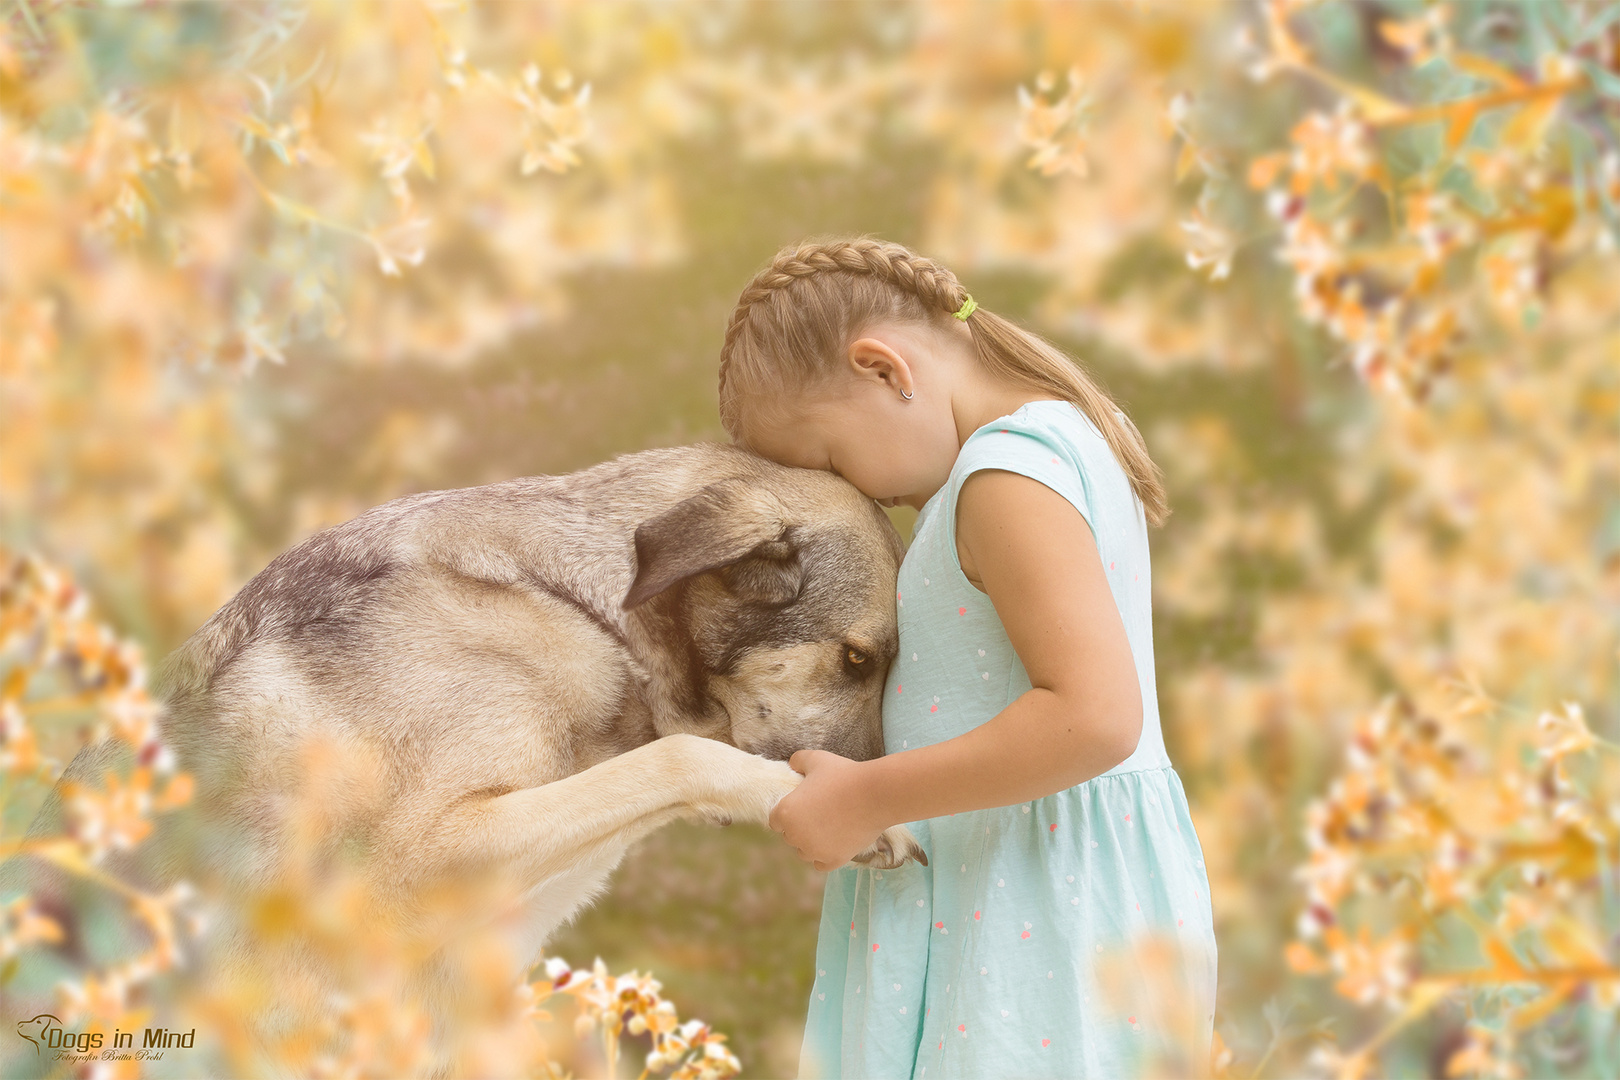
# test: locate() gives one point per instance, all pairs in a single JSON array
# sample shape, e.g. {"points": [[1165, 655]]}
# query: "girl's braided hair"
{"points": [[796, 317]]}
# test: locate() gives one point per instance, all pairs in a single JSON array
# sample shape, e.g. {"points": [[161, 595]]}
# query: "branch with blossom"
{"points": [[1427, 837], [60, 668], [633, 1004], [1501, 168]]}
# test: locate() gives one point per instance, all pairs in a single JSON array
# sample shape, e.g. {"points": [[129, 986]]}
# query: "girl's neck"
{"points": [[977, 396], [977, 401]]}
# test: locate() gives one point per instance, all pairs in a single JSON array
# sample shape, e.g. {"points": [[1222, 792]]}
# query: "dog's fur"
{"points": [[525, 678]]}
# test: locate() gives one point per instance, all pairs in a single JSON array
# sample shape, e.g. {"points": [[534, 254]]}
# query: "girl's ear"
{"points": [[869, 358]]}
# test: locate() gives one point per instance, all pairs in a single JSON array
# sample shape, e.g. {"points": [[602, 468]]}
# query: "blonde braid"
{"points": [[840, 286], [925, 279]]}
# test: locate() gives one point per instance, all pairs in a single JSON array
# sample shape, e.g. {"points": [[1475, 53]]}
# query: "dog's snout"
{"points": [[862, 743]]}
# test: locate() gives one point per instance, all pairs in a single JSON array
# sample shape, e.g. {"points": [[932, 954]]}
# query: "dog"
{"points": [[523, 679]]}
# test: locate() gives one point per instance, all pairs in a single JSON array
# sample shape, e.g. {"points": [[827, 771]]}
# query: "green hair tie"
{"points": [[969, 306]]}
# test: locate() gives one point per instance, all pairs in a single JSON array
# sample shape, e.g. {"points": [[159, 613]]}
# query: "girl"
{"points": [[1020, 719]]}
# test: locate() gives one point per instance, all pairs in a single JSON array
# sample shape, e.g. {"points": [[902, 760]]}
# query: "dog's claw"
{"points": [[893, 848]]}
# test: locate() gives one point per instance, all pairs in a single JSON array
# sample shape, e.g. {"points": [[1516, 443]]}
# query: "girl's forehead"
{"points": [[757, 418], [791, 436], [785, 448], [797, 407]]}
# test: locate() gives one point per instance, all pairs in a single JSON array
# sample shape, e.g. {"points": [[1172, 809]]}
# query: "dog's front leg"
{"points": [[537, 833], [540, 832]]}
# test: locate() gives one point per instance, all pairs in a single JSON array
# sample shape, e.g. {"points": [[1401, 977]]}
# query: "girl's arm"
{"points": [[1038, 563]]}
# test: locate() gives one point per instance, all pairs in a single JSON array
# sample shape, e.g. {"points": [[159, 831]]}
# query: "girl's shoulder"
{"points": [[1049, 440], [1053, 423]]}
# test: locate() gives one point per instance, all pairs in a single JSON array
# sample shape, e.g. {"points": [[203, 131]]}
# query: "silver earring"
{"points": [[905, 395]]}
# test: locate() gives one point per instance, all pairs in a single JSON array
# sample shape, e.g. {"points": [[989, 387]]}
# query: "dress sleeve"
{"points": [[1023, 446]]}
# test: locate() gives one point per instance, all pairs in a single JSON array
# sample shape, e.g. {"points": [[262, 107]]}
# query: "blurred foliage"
{"points": [[1350, 267]]}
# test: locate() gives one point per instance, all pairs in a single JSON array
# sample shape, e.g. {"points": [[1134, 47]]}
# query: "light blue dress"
{"points": [[991, 961]]}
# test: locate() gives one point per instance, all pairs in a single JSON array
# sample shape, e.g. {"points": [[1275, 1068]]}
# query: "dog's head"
{"points": [[779, 587]]}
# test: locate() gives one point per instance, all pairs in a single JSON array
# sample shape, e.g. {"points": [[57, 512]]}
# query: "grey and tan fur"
{"points": [[532, 674]]}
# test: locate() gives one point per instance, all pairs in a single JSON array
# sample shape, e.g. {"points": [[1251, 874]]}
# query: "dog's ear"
{"points": [[722, 524], [771, 574]]}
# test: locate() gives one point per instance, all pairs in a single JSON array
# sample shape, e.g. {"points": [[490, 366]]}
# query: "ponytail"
{"points": [[1009, 352]]}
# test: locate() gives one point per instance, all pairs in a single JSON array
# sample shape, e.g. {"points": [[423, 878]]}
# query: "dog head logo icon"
{"points": [[34, 1030]]}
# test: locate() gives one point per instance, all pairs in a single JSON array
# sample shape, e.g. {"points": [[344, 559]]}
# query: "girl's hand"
{"points": [[828, 819]]}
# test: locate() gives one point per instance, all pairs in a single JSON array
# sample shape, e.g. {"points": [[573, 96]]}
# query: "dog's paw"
{"points": [[751, 786], [723, 784], [894, 847]]}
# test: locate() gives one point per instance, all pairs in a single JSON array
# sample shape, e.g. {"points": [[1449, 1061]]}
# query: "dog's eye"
{"points": [[854, 655]]}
